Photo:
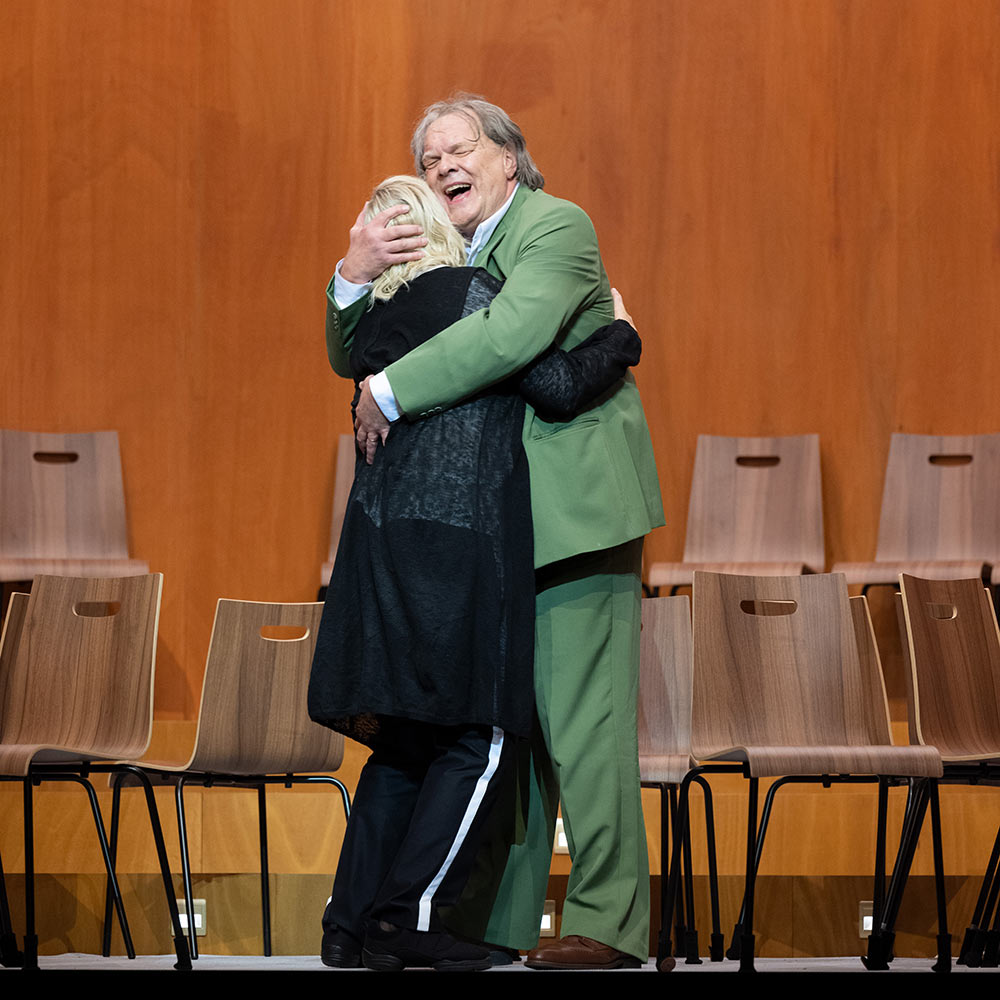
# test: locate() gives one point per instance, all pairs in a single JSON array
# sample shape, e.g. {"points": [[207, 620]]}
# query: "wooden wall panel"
{"points": [[799, 200]]}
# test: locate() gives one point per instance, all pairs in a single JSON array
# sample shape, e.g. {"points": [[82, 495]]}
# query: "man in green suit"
{"points": [[594, 496]]}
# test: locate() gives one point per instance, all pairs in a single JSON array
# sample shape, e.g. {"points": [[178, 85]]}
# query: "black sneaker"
{"points": [[340, 950], [389, 948]]}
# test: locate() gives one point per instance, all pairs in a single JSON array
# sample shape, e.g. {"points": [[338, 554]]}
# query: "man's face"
{"points": [[467, 170]]}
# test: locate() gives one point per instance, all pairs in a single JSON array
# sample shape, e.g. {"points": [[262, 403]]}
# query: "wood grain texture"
{"points": [[778, 681], [798, 201], [665, 667], [62, 506], [80, 684], [939, 512], [953, 650], [253, 717], [753, 501], [803, 190], [874, 704]]}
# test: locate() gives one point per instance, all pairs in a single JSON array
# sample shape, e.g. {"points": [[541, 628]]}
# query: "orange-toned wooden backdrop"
{"points": [[799, 199]]}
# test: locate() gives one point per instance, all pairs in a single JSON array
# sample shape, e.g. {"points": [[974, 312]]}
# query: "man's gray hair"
{"points": [[494, 121]]}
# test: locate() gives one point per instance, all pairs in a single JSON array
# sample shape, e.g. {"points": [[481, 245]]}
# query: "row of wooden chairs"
{"points": [[780, 677], [77, 660], [756, 508]]}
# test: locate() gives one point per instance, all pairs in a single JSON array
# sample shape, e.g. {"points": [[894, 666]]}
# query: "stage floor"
{"points": [[311, 964]]}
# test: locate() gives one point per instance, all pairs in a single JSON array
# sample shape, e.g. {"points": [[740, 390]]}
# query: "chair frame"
{"points": [[938, 516], [667, 622], [83, 532], [82, 762], [966, 756], [194, 773], [923, 791], [753, 538]]}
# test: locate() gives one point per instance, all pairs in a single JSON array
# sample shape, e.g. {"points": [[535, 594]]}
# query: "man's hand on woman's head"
{"points": [[376, 245]]}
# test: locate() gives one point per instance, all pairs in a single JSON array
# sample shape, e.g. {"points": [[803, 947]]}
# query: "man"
{"points": [[594, 496]]}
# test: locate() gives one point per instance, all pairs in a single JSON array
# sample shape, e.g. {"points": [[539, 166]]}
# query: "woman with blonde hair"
{"points": [[425, 649]]}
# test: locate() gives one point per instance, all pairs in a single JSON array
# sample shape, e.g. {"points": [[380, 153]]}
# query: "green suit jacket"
{"points": [[593, 478]]}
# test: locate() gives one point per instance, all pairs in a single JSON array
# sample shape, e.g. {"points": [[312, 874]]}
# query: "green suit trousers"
{"points": [[584, 754]]}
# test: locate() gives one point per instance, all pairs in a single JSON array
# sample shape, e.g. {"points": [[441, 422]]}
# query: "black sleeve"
{"points": [[560, 383]]}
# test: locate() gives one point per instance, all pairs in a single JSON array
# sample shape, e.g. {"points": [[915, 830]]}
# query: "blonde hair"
{"points": [[445, 246]]}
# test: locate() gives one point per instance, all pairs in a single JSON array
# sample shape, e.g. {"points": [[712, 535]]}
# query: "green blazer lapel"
{"points": [[485, 256]]}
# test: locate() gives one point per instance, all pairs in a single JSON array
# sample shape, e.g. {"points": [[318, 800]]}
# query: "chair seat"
{"points": [[664, 769], [17, 758], [682, 574], [777, 761], [24, 568], [875, 573], [967, 754]]}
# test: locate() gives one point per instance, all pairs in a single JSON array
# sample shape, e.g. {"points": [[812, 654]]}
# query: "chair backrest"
{"points": [[253, 717], [665, 671], [776, 663], [940, 498], [875, 701], [82, 673], [953, 654], [61, 496], [342, 480], [10, 639], [756, 500]]}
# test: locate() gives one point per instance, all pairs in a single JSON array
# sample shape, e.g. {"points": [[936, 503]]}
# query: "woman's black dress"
{"points": [[430, 610]]}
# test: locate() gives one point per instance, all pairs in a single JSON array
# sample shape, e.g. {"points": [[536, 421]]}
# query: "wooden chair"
{"points": [[253, 728], [756, 508], [952, 650], [76, 693], [665, 759], [342, 481], [780, 690], [62, 506], [940, 518], [10, 636]]}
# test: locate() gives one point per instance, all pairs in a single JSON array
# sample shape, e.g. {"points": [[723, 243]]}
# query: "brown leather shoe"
{"points": [[576, 952]]}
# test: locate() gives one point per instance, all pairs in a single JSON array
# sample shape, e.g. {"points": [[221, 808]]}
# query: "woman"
{"points": [[425, 649]]}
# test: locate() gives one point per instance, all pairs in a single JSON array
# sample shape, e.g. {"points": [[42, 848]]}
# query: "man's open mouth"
{"points": [[454, 190]]}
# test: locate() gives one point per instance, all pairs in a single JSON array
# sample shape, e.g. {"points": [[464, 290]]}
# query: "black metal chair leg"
{"points": [[881, 822], [109, 862], [344, 794], [11, 957], [733, 953], [880, 941], [30, 937], [192, 927], [971, 953], [990, 953], [690, 930], [717, 947], [983, 948], [109, 898], [665, 961], [663, 939], [680, 929], [753, 842], [943, 963], [265, 878], [183, 962]]}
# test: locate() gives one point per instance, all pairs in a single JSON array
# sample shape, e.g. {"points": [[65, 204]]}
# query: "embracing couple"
{"points": [[481, 634]]}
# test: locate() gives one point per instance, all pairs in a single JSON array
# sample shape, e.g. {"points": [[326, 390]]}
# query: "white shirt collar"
{"points": [[485, 229]]}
